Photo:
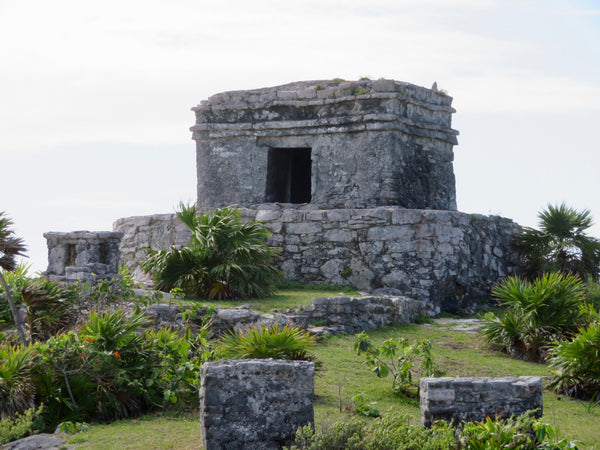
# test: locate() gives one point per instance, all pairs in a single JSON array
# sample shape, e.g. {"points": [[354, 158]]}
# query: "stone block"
{"points": [[472, 399], [264, 402]]}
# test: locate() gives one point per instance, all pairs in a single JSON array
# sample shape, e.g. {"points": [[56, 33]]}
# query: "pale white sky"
{"points": [[95, 97]]}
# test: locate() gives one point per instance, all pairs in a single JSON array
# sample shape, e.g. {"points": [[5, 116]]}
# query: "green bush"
{"points": [[50, 308], [17, 392], [400, 358], [21, 425], [272, 342], [113, 369], [393, 432], [16, 280], [538, 313], [225, 258], [576, 364], [390, 432]]}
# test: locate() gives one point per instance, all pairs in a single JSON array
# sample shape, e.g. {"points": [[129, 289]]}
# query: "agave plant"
{"points": [[225, 258], [538, 313], [268, 342], [10, 247], [561, 244]]}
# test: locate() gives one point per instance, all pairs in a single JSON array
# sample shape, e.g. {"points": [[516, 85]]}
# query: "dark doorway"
{"points": [[288, 175]]}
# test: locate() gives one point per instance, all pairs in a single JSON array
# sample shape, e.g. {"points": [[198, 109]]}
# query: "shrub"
{"points": [[273, 342], [398, 357], [50, 308], [391, 432], [225, 258], [523, 432], [10, 247], [394, 432], [576, 364], [16, 280], [113, 369], [21, 425], [539, 312], [17, 392]]}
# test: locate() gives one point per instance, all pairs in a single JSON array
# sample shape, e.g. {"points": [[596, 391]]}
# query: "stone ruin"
{"points": [[354, 180], [471, 399], [83, 255]]}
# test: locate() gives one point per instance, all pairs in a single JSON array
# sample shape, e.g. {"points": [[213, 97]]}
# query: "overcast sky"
{"points": [[95, 97]]}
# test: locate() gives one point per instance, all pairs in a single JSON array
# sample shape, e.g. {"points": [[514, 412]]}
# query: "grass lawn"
{"points": [[344, 375], [291, 296]]}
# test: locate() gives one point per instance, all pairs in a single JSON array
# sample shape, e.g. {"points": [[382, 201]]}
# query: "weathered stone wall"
{"points": [[448, 258], [79, 254], [473, 399], [372, 143], [254, 404], [158, 232], [326, 315]]}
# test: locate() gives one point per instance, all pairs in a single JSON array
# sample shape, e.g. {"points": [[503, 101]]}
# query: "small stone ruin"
{"points": [[473, 399], [254, 404], [83, 255]]}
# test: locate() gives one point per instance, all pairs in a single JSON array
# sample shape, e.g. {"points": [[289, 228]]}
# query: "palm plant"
{"points": [[16, 391], [50, 308], [225, 258], [548, 309], [268, 342], [10, 247], [576, 364], [561, 244]]}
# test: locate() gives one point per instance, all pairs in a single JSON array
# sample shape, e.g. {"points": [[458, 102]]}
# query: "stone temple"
{"points": [[356, 183]]}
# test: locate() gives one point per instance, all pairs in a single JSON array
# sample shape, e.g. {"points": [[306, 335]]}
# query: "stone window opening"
{"points": [[71, 255], [104, 253], [289, 175]]}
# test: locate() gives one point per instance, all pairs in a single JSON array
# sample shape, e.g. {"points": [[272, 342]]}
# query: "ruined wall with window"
{"points": [[332, 144], [83, 255]]}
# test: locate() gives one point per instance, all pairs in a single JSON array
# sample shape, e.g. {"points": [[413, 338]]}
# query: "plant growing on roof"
{"points": [[10, 247], [225, 258]]}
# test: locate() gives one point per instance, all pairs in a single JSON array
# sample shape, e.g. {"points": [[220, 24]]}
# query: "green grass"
{"points": [[146, 432], [459, 353], [290, 296]]}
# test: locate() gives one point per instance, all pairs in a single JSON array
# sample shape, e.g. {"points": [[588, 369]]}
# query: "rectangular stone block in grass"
{"points": [[473, 399], [254, 403]]}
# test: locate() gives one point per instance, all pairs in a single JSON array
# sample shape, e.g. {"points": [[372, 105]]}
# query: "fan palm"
{"points": [[561, 244], [10, 247], [225, 257]]}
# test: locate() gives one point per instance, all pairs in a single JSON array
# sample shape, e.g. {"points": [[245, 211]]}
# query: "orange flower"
{"points": [[51, 351], [34, 354], [117, 354]]}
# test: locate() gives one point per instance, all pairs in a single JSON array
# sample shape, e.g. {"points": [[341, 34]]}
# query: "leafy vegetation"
{"points": [[21, 425], [15, 280], [268, 342], [10, 247], [398, 357], [225, 258], [561, 244], [50, 309], [538, 313], [576, 364], [394, 431]]}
